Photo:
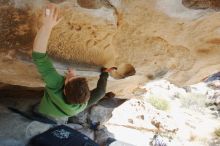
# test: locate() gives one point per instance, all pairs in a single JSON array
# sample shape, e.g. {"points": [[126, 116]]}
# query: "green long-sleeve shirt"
{"points": [[53, 103]]}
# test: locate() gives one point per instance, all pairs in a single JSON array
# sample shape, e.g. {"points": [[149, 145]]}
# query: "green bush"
{"points": [[159, 103]]}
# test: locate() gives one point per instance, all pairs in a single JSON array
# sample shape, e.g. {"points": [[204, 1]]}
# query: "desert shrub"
{"points": [[193, 101], [159, 103]]}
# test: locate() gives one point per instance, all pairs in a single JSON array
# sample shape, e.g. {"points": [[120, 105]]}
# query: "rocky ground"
{"points": [[159, 114]]}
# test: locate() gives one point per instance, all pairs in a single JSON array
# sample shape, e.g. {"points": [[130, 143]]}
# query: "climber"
{"points": [[64, 96]]}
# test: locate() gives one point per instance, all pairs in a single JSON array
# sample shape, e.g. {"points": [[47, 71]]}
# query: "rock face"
{"points": [[17, 27], [151, 36], [202, 4]]}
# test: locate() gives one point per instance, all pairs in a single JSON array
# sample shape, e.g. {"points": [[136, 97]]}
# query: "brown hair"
{"points": [[77, 91]]}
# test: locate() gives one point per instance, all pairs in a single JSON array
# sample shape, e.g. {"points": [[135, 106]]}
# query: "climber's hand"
{"points": [[109, 70], [51, 16]]}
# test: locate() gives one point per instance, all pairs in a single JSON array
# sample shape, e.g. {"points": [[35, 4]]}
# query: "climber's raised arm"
{"points": [[44, 65], [50, 19]]}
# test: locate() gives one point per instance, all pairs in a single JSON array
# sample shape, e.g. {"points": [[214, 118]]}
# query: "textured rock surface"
{"points": [[159, 38]]}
